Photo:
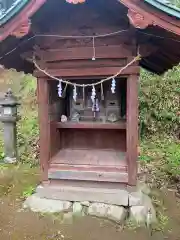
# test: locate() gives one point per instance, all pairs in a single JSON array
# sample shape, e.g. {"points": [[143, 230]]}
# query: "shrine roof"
{"points": [[13, 7], [158, 18], [10, 9], [165, 6]]}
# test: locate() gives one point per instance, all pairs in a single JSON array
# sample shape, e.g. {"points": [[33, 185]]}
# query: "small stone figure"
{"points": [[63, 119], [112, 117], [75, 117]]}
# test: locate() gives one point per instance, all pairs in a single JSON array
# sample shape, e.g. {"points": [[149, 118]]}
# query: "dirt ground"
{"points": [[16, 224]]}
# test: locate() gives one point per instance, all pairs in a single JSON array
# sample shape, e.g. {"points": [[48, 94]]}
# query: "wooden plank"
{"points": [[120, 62], [85, 72], [88, 175], [57, 43], [91, 125], [115, 196], [120, 51], [44, 135], [96, 139], [89, 157], [54, 140], [88, 184], [132, 128], [81, 167]]}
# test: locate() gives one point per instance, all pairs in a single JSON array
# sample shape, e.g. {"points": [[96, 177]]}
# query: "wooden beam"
{"points": [[79, 64], [68, 125], [54, 140], [132, 128], [81, 53], [85, 72], [44, 126], [83, 167]]}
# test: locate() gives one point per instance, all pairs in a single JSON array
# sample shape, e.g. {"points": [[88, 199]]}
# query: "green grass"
{"points": [[162, 157], [28, 191], [19, 181]]}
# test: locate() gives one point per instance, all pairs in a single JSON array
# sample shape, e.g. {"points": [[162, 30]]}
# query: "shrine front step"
{"points": [[88, 174], [80, 194]]}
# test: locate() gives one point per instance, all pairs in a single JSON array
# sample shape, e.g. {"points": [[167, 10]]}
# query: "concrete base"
{"points": [[106, 203], [81, 194]]}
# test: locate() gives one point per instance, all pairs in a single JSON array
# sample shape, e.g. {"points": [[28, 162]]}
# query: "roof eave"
{"points": [[12, 11], [23, 15], [166, 8]]}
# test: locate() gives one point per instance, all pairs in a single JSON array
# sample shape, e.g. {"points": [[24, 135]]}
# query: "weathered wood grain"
{"points": [[132, 128], [44, 135]]}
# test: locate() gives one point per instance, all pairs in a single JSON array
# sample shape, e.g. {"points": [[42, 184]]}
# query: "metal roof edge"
{"points": [[16, 7], [165, 6]]}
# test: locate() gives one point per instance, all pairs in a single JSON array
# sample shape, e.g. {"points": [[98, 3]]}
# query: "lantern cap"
{"points": [[9, 99]]}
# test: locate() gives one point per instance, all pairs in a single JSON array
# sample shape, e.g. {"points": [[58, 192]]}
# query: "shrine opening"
{"points": [[86, 56]]}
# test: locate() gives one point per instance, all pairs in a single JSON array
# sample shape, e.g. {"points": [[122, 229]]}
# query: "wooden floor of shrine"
{"points": [[89, 165]]}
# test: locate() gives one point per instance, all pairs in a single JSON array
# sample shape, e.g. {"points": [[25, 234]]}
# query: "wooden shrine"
{"points": [[87, 59]]}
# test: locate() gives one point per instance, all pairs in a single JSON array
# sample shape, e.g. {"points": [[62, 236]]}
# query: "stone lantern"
{"points": [[9, 119]]}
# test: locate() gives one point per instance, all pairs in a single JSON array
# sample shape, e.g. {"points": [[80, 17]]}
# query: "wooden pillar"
{"points": [[132, 128], [44, 127]]}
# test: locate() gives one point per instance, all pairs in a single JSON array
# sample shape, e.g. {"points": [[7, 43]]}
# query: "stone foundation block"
{"points": [[144, 213], [43, 205], [111, 212], [77, 209]]}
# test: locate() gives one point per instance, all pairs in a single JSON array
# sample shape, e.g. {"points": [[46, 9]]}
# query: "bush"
{"points": [[175, 2], [159, 103], [28, 130], [24, 87]]}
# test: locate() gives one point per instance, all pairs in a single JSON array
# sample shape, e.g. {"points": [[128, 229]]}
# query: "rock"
{"points": [[112, 212], [136, 198], [138, 214], [10, 160], [20, 210], [77, 208], [136, 194], [144, 188], [37, 204], [117, 213], [98, 209], [144, 213], [85, 203], [63, 119]]}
